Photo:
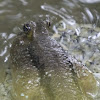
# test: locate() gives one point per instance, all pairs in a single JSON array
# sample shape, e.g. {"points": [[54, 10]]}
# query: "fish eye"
{"points": [[26, 28], [48, 23]]}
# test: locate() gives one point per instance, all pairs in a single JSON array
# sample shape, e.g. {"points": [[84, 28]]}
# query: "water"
{"points": [[13, 13]]}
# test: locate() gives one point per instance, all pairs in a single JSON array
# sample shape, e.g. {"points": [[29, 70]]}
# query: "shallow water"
{"points": [[13, 13]]}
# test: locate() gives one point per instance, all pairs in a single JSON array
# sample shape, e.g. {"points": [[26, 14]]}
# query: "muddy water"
{"points": [[13, 13]]}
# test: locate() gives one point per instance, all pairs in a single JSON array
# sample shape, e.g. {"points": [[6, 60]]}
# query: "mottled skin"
{"points": [[36, 55]]}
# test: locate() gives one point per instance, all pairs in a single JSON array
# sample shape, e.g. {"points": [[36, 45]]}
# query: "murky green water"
{"points": [[13, 13]]}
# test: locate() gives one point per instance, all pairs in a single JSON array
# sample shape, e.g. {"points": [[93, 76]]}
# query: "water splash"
{"points": [[59, 13]]}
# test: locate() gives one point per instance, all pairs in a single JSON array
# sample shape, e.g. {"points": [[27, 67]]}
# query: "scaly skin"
{"points": [[40, 63]]}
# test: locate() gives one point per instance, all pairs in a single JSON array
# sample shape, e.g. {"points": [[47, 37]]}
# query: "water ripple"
{"points": [[15, 17], [4, 11], [4, 3], [89, 1], [24, 2]]}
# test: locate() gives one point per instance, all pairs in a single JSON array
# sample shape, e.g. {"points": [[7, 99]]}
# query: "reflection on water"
{"points": [[14, 13]]}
